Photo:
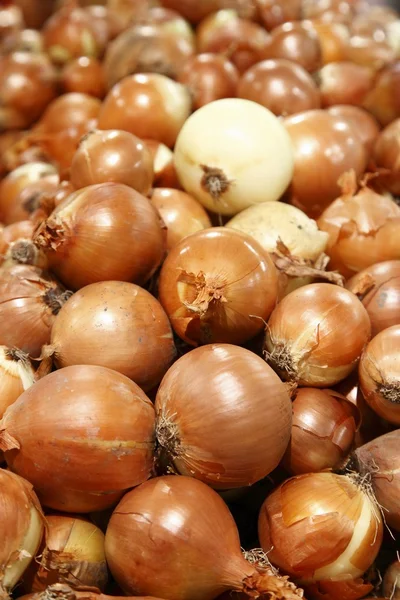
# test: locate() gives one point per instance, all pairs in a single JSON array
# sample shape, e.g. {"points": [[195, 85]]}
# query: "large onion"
{"points": [[86, 437], [16, 375]]}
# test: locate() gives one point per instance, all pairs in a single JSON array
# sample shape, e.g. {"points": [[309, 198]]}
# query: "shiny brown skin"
{"points": [[387, 156], [84, 75], [325, 147], [323, 431], [375, 54], [275, 12], [103, 421], [344, 83], [391, 581], [117, 325], [35, 12], [383, 101], [282, 86], [109, 221], [295, 42], [68, 111], [333, 40], [181, 213], [381, 297], [112, 156], [209, 77], [195, 11], [363, 123]]}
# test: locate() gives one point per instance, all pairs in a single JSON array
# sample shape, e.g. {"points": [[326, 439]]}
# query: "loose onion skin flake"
{"points": [[216, 394], [80, 417], [210, 298]]}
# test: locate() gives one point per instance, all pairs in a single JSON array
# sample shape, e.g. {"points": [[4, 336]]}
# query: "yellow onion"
{"points": [[62, 591], [16, 375], [21, 527]]}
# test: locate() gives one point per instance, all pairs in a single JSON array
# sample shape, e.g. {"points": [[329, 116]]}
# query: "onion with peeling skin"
{"points": [[296, 42], [212, 170], [16, 375], [363, 123], [387, 156], [344, 83], [163, 165]]}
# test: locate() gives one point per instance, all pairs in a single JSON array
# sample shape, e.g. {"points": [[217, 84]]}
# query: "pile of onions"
{"points": [[378, 288], [116, 325], [296, 42], [387, 156], [341, 524], [72, 553], [87, 436], [21, 525], [112, 156], [16, 375], [30, 299], [210, 168], [223, 416], [362, 226], [316, 335], [208, 297], [323, 431], [158, 542], [102, 232]]}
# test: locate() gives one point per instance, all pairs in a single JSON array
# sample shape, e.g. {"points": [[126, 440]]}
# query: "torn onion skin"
{"points": [[213, 395], [103, 419], [208, 297]]}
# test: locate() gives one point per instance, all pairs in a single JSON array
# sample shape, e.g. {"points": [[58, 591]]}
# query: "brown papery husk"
{"points": [[62, 591], [197, 559]]}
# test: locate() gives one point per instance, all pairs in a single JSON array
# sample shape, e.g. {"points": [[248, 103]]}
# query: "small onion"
{"points": [[95, 423], [379, 374], [69, 111], [370, 52], [16, 375], [84, 75], [387, 156], [11, 20], [163, 165], [212, 396], [323, 431], [316, 334], [383, 101], [26, 40], [344, 83], [35, 12], [391, 581], [116, 325], [333, 38], [194, 11], [112, 156], [211, 169], [362, 122], [102, 232], [295, 42], [21, 526], [275, 12], [208, 297], [181, 213]]}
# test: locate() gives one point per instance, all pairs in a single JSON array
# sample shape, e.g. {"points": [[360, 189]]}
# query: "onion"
{"points": [[275, 12], [94, 423], [169, 20], [212, 396], [363, 123], [26, 40], [362, 226], [14, 237], [147, 105], [344, 83], [180, 212], [11, 21], [62, 591], [363, 50], [295, 42], [209, 77], [21, 526], [102, 232], [29, 302], [391, 581], [116, 325], [33, 195], [324, 148], [316, 334], [379, 374], [333, 38], [210, 298], [383, 101], [280, 85], [69, 111], [112, 156], [329, 10], [378, 288], [84, 75], [340, 522], [215, 173], [323, 431], [163, 165], [387, 156], [35, 12], [195, 11], [73, 553], [16, 375], [159, 542]]}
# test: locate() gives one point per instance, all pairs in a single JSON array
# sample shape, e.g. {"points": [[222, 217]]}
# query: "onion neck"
{"points": [[55, 298], [266, 583], [24, 252], [390, 391]]}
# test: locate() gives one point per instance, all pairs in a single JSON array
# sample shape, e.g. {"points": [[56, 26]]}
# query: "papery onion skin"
{"points": [[296, 42], [365, 125], [116, 325], [216, 394], [340, 522], [102, 421], [316, 335], [16, 375], [102, 232], [212, 170], [207, 297], [387, 156], [379, 374], [323, 431]]}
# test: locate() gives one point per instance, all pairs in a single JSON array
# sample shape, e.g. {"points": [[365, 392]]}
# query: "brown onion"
{"points": [[378, 288], [280, 85], [209, 77], [11, 21], [275, 12], [383, 101], [84, 75], [116, 325], [102, 232], [195, 11], [35, 12], [21, 230], [26, 40], [69, 111], [391, 581], [16, 375], [211, 298], [112, 156], [344, 83], [21, 526], [379, 374], [316, 335], [180, 212], [212, 396], [323, 431], [387, 156], [163, 165], [362, 122], [149, 106], [325, 147], [159, 542], [333, 38], [80, 418], [375, 54], [295, 42], [29, 303], [362, 226], [34, 183]]}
